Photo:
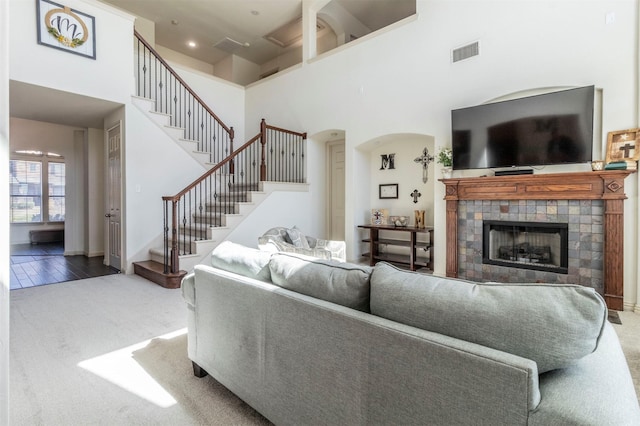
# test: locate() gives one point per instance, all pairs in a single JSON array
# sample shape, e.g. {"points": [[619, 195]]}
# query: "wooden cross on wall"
{"points": [[415, 194], [424, 159]]}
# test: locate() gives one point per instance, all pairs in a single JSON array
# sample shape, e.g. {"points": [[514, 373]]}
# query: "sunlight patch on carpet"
{"points": [[120, 368]]}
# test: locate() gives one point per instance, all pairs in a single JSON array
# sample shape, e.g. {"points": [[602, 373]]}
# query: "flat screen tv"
{"points": [[552, 128]]}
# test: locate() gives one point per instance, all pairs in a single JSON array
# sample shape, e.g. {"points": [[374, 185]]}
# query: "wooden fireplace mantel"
{"points": [[607, 185]]}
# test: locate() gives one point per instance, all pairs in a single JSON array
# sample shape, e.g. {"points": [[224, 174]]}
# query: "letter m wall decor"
{"points": [[66, 29]]}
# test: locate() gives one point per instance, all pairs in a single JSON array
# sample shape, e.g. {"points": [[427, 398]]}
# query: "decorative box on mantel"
{"points": [[607, 185]]}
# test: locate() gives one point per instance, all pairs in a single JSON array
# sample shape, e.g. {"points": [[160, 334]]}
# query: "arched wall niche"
{"points": [[370, 171]]}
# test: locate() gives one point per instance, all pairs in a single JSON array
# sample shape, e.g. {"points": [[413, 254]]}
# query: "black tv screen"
{"points": [[552, 128]]}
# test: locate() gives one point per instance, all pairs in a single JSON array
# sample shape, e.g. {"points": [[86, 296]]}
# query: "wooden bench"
{"points": [[42, 236]]}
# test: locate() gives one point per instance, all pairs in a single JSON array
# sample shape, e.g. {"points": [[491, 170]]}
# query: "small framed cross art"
{"points": [[622, 145]]}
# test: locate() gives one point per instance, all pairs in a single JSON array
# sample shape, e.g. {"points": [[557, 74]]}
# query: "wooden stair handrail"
{"points": [[186, 86], [291, 132], [210, 171]]}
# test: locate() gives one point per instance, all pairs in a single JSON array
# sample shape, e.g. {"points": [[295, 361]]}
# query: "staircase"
{"points": [[235, 181], [163, 120]]}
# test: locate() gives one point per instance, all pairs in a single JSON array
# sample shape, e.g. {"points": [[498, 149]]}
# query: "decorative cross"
{"points": [[415, 194], [425, 159], [377, 215], [626, 148]]}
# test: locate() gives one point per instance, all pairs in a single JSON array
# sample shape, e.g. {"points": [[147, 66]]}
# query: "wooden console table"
{"points": [[411, 259]]}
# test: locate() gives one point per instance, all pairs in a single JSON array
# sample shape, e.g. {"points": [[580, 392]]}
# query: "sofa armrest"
{"points": [[188, 288], [597, 390]]}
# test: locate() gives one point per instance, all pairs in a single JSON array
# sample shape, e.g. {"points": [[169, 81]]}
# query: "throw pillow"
{"points": [[552, 324], [343, 283], [297, 238], [245, 261]]}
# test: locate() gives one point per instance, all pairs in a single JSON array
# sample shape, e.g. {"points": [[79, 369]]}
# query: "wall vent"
{"points": [[465, 52]]}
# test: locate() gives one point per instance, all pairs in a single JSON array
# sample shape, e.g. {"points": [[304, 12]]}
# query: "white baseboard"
{"points": [[630, 306], [94, 253]]}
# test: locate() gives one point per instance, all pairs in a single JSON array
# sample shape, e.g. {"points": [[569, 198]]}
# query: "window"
{"points": [[56, 192], [26, 178]]}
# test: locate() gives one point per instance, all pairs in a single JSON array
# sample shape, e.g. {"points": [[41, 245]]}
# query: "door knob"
{"points": [[107, 215]]}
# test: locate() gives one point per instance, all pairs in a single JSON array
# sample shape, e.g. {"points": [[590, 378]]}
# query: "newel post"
{"points": [[263, 142], [174, 237], [232, 167]]}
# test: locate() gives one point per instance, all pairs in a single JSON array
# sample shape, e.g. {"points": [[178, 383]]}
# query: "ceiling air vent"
{"points": [[465, 52], [229, 45]]}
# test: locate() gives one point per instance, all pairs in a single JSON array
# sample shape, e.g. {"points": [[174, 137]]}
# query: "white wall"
{"points": [[109, 76], [224, 68], [244, 71], [270, 214], [401, 80], [186, 61], [153, 166], [94, 166], [4, 215], [344, 24]]}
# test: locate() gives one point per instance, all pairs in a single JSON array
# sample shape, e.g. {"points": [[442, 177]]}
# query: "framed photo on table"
{"points": [[388, 190], [66, 29]]}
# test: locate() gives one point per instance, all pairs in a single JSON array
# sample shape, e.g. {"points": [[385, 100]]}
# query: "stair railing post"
{"points": [[263, 142], [232, 167], [174, 237]]}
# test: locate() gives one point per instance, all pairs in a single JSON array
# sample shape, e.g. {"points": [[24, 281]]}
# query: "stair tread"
{"points": [[156, 267], [160, 113], [154, 272]]}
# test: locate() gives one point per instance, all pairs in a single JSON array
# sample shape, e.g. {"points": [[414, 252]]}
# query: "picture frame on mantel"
{"points": [[63, 28], [388, 191], [622, 145]]}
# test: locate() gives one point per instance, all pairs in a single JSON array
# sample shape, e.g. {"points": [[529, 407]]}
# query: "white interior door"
{"points": [[336, 194], [114, 214]]}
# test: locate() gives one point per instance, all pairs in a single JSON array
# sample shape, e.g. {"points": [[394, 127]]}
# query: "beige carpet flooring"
{"points": [[112, 351]]}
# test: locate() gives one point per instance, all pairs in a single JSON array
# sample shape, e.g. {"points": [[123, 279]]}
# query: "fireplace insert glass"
{"points": [[527, 245]]}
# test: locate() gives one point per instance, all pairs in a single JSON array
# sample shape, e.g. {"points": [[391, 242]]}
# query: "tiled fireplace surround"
{"points": [[586, 239], [590, 202]]}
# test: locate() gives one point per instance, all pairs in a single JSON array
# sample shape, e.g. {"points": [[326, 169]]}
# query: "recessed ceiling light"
{"points": [[191, 44]]}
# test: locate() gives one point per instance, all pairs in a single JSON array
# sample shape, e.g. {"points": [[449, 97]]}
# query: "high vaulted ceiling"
{"points": [[207, 22]]}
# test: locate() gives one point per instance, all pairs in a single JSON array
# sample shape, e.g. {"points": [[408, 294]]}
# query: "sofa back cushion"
{"points": [[343, 283], [552, 324], [246, 261]]}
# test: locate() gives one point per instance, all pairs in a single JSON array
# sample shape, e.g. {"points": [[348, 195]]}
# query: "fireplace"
{"points": [[526, 245], [596, 225]]}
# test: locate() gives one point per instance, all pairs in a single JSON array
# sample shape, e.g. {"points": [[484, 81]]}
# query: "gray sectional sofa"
{"points": [[314, 342]]}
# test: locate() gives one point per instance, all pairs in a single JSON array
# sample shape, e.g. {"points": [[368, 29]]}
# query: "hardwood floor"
{"points": [[40, 264]]}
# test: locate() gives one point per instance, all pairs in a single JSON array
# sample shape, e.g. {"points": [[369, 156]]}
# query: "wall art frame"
{"points": [[622, 145], [388, 191], [63, 28], [379, 216]]}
